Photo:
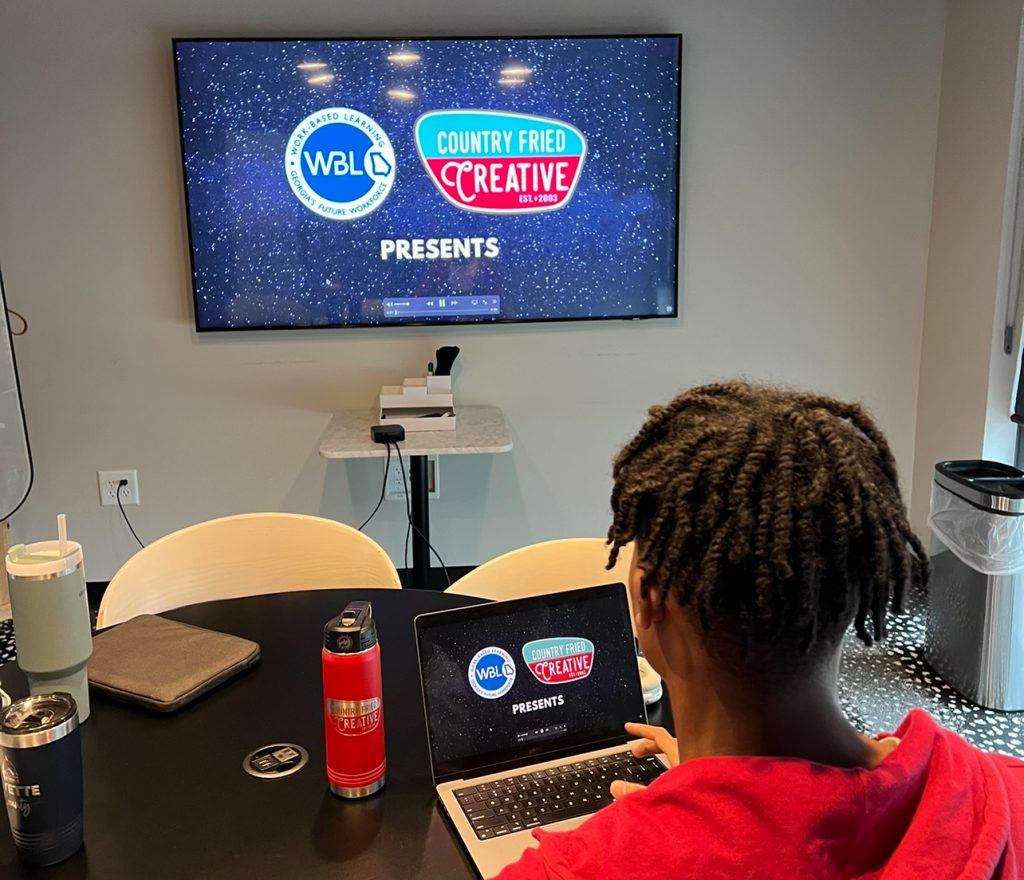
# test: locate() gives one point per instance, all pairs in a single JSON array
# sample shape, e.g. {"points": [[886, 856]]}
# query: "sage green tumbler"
{"points": [[52, 633]]}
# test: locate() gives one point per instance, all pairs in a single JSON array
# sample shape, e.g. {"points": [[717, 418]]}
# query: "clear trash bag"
{"points": [[987, 541]]}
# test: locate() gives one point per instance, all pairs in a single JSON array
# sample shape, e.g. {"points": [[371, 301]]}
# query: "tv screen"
{"points": [[346, 183]]}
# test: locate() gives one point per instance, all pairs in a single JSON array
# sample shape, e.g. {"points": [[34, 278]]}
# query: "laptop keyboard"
{"points": [[532, 799]]}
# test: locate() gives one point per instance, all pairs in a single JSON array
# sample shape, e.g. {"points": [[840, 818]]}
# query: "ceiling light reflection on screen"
{"points": [[401, 95], [321, 79], [311, 65], [406, 56]]}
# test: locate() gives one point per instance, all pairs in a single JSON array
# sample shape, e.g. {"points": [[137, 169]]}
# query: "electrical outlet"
{"points": [[395, 490], [108, 482]]}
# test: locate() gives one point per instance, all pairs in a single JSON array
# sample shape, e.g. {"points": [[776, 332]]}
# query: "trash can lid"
{"points": [[991, 485]]}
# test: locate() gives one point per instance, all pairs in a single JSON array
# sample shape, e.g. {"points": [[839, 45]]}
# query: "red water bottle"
{"points": [[353, 703]]}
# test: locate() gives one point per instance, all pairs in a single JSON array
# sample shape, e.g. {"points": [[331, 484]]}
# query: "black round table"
{"points": [[166, 796]]}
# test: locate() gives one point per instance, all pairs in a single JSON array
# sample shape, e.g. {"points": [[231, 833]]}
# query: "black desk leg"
{"points": [[421, 521]]}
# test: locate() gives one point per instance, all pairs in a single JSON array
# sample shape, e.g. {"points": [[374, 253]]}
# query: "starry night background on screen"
{"points": [[463, 724], [261, 258]]}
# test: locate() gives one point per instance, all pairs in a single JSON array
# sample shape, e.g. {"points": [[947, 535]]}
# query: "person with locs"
{"points": [[766, 522]]}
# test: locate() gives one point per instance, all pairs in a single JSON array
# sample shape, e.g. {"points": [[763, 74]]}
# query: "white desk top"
{"points": [[480, 429]]}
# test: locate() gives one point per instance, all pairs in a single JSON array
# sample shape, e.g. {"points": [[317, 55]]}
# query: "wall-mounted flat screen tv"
{"points": [[351, 183]]}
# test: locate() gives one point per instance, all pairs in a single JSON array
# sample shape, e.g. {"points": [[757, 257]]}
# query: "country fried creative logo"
{"points": [[500, 163], [354, 717], [559, 660], [492, 672], [340, 163]]}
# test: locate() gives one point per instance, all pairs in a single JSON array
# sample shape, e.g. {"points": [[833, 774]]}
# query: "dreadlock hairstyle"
{"points": [[773, 515]]}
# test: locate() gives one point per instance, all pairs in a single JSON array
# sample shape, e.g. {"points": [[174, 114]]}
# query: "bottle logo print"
{"points": [[354, 717], [340, 163], [492, 672], [16, 795], [494, 162]]}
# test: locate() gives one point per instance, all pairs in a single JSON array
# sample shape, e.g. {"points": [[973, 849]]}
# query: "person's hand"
{"points": [[653, 741]]}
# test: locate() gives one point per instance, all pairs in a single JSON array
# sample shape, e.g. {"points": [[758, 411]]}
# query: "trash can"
{"points": [[976, 591]]}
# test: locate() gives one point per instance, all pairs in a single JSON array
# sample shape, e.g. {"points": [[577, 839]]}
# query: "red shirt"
{"points": [[935, 808]]}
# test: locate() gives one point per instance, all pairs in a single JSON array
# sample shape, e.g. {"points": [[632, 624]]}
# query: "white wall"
{"points": [[1000, 433], [809, 153], [966, 381]]}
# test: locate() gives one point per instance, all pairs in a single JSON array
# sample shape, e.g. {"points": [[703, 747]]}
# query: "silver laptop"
{"points": [[525, 703]]}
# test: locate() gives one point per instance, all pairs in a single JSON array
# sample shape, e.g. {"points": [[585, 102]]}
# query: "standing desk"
{"points": [[481, 429]]}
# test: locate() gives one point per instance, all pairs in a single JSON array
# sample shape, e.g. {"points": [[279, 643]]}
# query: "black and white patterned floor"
{"points": [[880, 684], [6, 641], [877, 686]]}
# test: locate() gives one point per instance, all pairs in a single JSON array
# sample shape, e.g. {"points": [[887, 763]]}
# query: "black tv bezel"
{"points": [[677, 183]]}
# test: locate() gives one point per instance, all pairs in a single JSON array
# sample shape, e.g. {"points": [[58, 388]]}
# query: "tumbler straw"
{"points": [[62, 534]]}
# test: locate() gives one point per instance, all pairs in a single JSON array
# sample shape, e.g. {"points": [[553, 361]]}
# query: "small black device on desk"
{"points": [[387, 433]]}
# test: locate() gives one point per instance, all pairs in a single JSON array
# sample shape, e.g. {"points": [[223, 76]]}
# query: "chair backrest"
{"points": [[548, 567], [245, 555]]}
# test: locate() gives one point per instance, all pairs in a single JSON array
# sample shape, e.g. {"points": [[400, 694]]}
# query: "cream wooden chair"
{"points": [[547, 567], [246, 555]]}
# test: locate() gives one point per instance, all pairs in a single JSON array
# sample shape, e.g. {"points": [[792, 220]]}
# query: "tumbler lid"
{"points": [[351, 631], [43, 559], [36, 720]]}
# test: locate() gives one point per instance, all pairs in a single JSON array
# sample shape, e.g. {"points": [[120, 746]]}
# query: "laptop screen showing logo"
{"points": [[524, 679]]}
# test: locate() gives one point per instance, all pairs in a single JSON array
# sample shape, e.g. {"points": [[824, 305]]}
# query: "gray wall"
{"points": [[967, 382], [809, 153]]}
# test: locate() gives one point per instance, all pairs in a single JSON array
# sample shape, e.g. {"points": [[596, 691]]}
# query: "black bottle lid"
{"points": [[351, 631]]}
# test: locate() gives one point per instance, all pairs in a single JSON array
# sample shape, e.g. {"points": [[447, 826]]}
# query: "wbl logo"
{"points": [[500, 163], [559, 660], [492, 673], [340, 163]]}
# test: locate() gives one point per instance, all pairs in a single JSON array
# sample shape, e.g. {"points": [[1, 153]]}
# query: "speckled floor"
{"points": [[877, 686], [6, 641], [880, 684]]}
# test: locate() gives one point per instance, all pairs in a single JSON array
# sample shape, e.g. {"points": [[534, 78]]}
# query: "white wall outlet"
{"points": [[395, 490], [109, 480]]}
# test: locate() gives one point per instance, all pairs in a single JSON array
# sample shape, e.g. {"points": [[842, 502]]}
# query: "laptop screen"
{"points": [[509, 682]]}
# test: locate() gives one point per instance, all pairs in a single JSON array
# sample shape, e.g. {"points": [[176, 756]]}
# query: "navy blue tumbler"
{"points": [[41, 771]]}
